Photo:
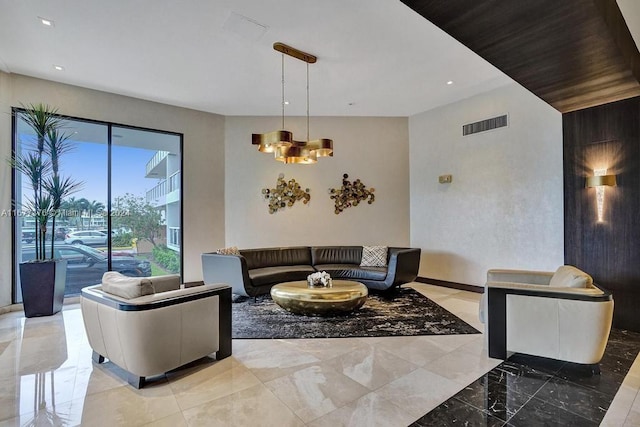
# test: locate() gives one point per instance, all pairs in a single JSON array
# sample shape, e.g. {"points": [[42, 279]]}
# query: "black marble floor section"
{"points": [[534, 391]]}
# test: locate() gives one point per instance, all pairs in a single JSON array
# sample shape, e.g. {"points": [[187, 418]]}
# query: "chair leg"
{"points": [[97, 358], [135, 381], [224, 349]]}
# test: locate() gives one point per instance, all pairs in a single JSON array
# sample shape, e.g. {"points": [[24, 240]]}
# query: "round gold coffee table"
{"points": [[297, 297]]}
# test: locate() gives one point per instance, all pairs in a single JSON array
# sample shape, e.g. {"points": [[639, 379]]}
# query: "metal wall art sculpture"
{"points": [[285, 194], [351, 194]]}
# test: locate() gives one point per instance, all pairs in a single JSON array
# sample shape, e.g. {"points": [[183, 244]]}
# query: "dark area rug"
{"points": [[402, 313]]}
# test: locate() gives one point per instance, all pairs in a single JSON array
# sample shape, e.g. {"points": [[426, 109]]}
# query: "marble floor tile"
{"points": [[253, 406], [209, 380], [328, 348], [519, 378], [455, 413], [65, 414], [417, 391], [417, 350], [371, 367], [9, 332], [607, 382], [370, 410], [174, 420], [242, 346], [275, 360], [493, 398], [316, 391], [541, 413], [633, 417], [620, 407], [478, 346], [126, 406], [462, 367], [98, 378], [452, 342], [574, 398]]}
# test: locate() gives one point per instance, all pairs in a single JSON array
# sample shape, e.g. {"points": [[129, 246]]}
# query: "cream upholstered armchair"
{"points": [[148, 326], [560, 315]]}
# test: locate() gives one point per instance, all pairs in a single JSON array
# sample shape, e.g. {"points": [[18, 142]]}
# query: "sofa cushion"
{"points": [[169, 282], [568, 276], [126, 287], [273, 257], [272, 275], [353, 271], [374, 256], [336, 254]]}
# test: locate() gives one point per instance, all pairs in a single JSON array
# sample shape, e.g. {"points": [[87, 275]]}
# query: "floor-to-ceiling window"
{"points": [[126, 216]]}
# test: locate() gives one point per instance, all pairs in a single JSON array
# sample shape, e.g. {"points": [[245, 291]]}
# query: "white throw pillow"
{"points": [[568, 276], [374, 256], [232, 250], [126, 287]]}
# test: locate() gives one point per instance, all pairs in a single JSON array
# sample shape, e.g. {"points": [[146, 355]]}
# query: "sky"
{"points": [[88, 163]]}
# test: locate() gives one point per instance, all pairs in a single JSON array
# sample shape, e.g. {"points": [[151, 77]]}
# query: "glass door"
{"points": [[126, 216], [146, 200]]}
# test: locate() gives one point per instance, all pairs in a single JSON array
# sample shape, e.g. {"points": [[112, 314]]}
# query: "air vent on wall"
{"points": [[484, 125]]}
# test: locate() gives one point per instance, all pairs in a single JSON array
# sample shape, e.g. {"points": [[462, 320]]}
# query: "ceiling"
{"points": [[573, 54], [375, 57]]}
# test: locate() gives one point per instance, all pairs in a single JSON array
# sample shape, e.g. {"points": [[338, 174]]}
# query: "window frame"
{"points": [[15, 112]]}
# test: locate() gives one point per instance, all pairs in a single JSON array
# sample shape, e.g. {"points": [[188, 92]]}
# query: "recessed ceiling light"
{"points": [[58, 67], [450, 82], [286, 102], [46, 22]]}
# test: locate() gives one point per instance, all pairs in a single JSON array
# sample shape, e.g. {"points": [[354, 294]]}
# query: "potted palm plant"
{"points": [[43, 278]]}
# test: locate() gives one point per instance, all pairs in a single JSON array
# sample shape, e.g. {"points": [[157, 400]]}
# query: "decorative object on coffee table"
{"points": [[344, 296], [285, 194], [319, 279], [351, 194]]}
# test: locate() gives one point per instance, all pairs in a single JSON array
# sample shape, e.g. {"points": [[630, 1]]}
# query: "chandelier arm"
{"points": [[307, 102], [282, 91]]}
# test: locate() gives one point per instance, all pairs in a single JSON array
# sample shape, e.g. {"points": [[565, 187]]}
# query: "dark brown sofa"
{"points": [[255, 271]]}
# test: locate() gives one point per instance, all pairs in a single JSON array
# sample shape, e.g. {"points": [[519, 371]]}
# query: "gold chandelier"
{"points": [[281, 142]]}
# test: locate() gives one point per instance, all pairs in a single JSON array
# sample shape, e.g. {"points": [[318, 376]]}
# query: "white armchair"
{"points": [[149, 333], [560, 315]]}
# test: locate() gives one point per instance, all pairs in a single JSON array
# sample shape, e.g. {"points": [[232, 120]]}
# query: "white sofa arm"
{"points": [[520, 276], [542, 289]]}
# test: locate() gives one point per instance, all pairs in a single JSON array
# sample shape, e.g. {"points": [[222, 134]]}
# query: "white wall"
{"points": [[375, 150], [203, 151], [504, 208], [5, 189]]}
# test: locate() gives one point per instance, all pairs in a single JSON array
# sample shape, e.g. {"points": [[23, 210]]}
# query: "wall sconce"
{"points": [[599, 180]]}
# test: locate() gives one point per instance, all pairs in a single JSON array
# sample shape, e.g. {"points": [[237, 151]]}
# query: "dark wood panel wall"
{"points": [[573, 54], [606, 136]]}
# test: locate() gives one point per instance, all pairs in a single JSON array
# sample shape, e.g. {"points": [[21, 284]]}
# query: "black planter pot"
{"points": [[43, 286]]}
